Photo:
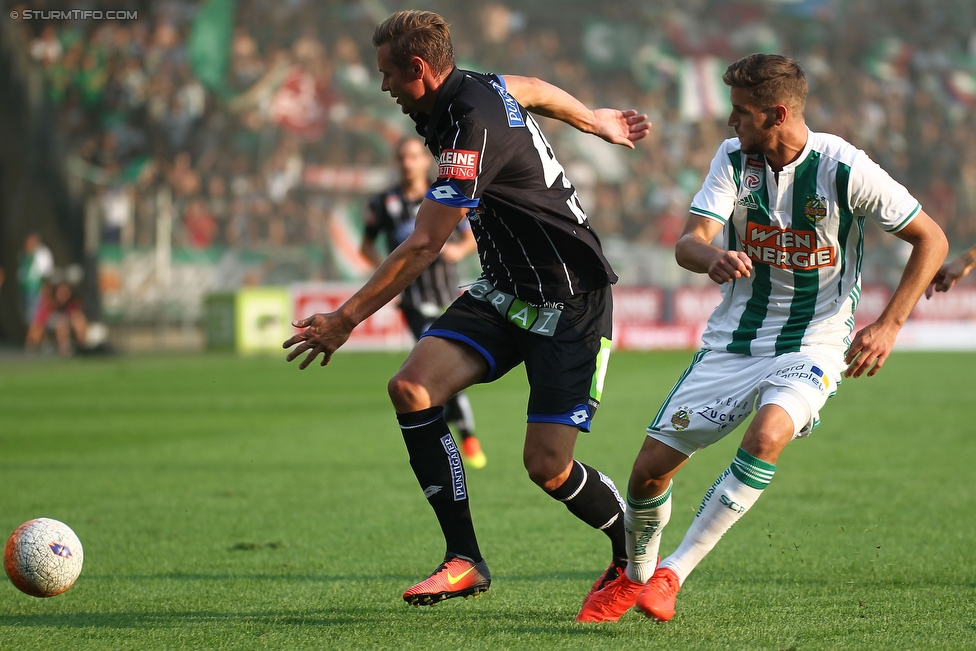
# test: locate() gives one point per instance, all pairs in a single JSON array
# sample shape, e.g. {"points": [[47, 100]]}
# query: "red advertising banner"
{"points": [[650, 318], [385, 330], [639, 322]]}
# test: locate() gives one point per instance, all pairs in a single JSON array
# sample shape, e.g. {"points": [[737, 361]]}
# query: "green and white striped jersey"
{"points": [[805, 235]]}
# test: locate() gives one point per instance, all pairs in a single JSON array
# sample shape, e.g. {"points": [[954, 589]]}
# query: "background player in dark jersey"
{"points": [[543, 299], [392, 213]]}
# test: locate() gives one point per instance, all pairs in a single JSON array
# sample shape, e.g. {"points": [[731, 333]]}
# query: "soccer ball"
{"points": [[43, 557]]}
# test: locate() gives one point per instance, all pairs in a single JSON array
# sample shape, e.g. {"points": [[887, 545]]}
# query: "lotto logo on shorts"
{"points": [[458, 164]]}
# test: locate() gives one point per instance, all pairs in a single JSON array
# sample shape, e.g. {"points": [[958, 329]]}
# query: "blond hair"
{"points": [[417, 33]]}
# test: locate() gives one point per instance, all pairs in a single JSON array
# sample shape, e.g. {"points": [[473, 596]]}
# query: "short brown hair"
{"points": [[417, 33], [772, 79]]}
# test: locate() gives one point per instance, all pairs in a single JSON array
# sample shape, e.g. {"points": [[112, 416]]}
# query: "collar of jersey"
{"points": [[444, 96]]}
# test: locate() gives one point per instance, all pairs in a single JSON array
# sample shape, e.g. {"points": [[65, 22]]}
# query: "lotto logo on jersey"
{"points": [[458, 164], [786, 248]]}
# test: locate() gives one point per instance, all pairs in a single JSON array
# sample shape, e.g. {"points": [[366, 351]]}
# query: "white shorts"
{"points": [[718, 391]]}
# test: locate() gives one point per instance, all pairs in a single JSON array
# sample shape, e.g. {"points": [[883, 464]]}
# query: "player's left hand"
{"points": [[323, 333], [870, 349], [621, 127]]}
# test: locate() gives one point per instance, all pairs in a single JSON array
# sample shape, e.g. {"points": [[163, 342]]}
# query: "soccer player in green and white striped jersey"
{"points": [[790, 205]]}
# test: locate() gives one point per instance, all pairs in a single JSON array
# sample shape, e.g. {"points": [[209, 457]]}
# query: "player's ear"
{"points": [[780, 113], [417, 67]]}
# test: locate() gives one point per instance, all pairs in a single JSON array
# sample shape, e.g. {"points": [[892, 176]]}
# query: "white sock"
{"points": [[644, 519], [732, 494]]}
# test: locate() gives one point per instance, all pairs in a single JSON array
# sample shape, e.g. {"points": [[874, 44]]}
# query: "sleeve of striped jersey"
{"points": [[875, 194], [718, 194]]}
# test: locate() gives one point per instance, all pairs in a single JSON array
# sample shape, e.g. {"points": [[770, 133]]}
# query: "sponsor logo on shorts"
{"points": [[681, 419], [814, 375], [430, 491], [458, 164], [540, 320], [457, 469], [726, 412], [720, 418]]}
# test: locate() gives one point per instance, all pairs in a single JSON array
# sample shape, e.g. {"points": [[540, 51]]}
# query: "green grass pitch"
{"points": [[239, 503]]}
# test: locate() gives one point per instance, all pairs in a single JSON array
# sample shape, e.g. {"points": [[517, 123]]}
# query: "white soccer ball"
{"points": [[43, 557]]}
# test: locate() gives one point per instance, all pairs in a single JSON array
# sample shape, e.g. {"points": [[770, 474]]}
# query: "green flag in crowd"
{"points": [[209, 43]]}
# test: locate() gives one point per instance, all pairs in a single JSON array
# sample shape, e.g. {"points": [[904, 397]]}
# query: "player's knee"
{"points": [[407, 394], [545, 472], [781, 416], [646, 481]]}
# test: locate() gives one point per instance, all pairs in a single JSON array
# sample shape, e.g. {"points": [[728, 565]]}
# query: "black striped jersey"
{"points": [[534, 239], [804, 232], [394, 215]]}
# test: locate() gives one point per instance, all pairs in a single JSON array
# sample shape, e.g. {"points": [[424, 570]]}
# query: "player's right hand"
{"points": [[729, 266], [323, 333]]}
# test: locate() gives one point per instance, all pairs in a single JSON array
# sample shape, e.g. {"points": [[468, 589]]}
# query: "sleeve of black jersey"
{"points": [[467, 164], [473, 153]]}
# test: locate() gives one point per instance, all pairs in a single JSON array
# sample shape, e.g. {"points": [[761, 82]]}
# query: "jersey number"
{"points": [[551, 168]]}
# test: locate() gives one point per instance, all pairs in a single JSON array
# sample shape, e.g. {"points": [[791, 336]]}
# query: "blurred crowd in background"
{"points": [[257, 148]]}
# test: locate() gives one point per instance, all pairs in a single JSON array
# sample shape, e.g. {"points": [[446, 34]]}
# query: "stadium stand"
{"points": [[246, 135]]}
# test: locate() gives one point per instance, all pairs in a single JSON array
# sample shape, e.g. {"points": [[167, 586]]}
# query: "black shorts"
{"points": [[565, 365]]}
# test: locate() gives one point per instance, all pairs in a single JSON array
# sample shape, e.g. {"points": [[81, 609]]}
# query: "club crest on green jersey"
{"points": [[815, 208]]}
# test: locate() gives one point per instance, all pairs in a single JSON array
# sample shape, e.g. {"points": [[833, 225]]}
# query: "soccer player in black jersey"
{"points": [[392, 214], [543, 298]]}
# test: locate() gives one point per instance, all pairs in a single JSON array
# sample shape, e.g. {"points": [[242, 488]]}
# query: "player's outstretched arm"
{"points": [[325, 333], [957, 268], [873, 344], [613, 125]]}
